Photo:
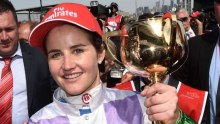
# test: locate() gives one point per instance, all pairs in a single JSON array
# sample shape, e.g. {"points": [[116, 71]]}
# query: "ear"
{"points": [[101, 56]]}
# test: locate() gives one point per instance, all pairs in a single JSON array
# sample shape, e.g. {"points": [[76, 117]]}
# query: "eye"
{"points": [[54, 55], [9, 29], [78, 51]]}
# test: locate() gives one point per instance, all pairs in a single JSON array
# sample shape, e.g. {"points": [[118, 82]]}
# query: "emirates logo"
{"points": [[86, 98]]}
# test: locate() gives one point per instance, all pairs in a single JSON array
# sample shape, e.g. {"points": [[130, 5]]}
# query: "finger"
{"points": [[157, 99], [143, 93], [160, 88], [154, 98], [162, 116], [163, 107], [152, 90]]}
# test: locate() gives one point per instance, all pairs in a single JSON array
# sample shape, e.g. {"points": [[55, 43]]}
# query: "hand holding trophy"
{"points": [[157, 44]]}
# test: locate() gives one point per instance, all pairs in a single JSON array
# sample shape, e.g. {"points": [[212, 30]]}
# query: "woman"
{"points": [[71, 38]]}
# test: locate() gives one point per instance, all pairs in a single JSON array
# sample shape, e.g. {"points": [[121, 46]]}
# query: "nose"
{"points": [[68, 63]]}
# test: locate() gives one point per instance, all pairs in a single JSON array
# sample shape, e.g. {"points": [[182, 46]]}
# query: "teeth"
{"points": [[72, 76]]}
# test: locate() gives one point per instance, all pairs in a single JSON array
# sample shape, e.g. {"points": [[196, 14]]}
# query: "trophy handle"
{"points": [[177, 36], [106, 38]]}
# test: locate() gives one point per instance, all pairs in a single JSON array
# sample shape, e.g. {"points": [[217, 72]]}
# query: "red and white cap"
{"points": [[63, 13]]}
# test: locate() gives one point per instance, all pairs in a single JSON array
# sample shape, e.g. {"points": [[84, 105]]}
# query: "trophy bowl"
{"points": [[151, 44]]}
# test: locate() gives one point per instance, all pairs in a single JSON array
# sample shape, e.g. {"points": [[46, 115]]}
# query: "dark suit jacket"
{"points": [[39, 81], [195, 72]]}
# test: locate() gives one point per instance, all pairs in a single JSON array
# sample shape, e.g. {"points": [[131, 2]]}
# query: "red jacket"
{"points": [[115, 22]]}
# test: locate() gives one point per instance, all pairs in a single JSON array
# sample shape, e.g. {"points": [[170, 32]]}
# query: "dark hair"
{"points": [[96, 41], [94, 38], [6, 6], [115, 5]]}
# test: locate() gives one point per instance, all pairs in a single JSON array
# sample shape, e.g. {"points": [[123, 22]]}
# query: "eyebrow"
{"points": [[76, 46], [52, 51], [8, 28], [72, 47]]}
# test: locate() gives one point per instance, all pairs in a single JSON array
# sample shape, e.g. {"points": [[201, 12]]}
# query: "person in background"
{"points": [[25, 78], [74, 49], [25, 29], [101, 17], [202, 69], [183, 16], [116, 21]]}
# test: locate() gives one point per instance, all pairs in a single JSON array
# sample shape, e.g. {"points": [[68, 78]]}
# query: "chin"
{"points": [[74, 92]]}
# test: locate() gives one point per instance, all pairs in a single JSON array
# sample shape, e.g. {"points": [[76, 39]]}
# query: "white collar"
{"points": [[76, 102], [191, 32], [17, 53]]}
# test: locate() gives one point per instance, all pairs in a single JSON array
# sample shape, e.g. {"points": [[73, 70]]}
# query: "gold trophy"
{"points": [[151, 43]]}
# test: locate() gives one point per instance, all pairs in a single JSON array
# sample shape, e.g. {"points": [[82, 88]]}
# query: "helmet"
{"points": [[113, 4], [101, 9]]}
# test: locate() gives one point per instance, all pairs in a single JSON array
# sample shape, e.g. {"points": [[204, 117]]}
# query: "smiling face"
{"points": [[73, 60]]}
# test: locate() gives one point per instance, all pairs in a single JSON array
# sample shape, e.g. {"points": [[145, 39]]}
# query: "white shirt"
{"points": [[190, 34], [214, 74], [19, 101]]}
